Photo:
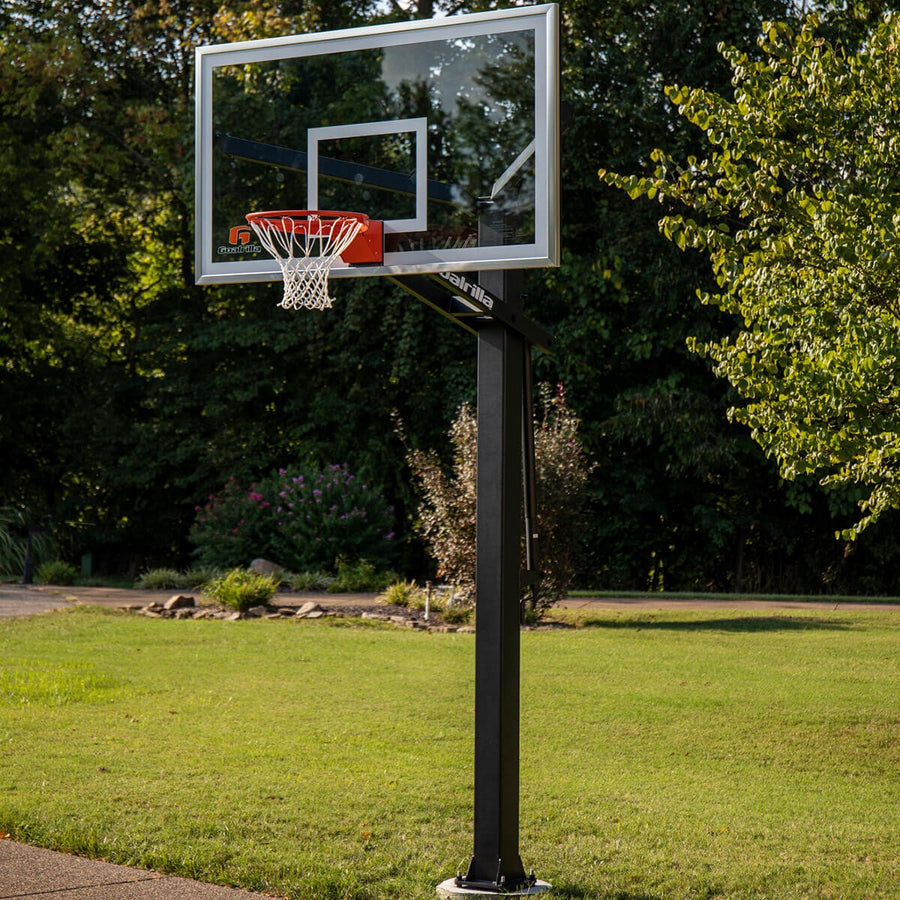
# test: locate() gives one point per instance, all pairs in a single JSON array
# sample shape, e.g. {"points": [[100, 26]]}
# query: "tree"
{"points": [[447, 512], [796, 206], [680, 497], [128, 394]]}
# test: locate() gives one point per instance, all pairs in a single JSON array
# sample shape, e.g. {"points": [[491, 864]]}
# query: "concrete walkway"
{"points": [[31, 872], [27, 600], [19, 600], [22, 600]]}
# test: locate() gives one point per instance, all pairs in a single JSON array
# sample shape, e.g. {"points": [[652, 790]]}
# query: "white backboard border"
{"points": [[545, 251]]}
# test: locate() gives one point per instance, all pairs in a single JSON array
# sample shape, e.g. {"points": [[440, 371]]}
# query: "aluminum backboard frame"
{"points": [[543, 251]]}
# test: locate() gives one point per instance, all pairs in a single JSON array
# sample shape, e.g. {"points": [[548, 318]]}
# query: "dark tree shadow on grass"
{"points": [[737, 625]]}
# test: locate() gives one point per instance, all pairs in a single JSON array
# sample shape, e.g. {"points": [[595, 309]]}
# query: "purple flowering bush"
{"points": [[227, 530], [302, 519]]}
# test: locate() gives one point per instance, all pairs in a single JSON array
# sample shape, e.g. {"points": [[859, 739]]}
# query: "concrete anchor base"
{"points": [[448, 890]]}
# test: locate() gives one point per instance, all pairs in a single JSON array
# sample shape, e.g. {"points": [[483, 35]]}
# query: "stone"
{"points": [[308, 607], [179, 601], [184, 613], [257, 612], [265, 567], [315, 614]]}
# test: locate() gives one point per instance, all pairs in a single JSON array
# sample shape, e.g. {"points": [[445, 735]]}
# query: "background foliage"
{"points": [[301, 519], [128, 395], [797, 207], [448, 511]]}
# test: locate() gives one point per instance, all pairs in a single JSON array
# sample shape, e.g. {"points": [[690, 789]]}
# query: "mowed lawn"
{"points": [[664, 755]]}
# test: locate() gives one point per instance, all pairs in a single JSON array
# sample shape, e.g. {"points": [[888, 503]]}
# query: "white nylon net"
{"points": [[306, 250]]}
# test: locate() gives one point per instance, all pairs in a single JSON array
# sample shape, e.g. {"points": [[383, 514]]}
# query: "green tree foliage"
{"points": [[128, 395], [797, 207], [680, 497]]}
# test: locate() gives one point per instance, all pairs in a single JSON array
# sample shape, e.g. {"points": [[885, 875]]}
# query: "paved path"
{"points": [[27, 600], [21, 600], [31, 872], [674, 603], [18, 600]]}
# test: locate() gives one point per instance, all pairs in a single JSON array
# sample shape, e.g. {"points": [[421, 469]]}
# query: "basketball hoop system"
{"points": [[306, 244]]}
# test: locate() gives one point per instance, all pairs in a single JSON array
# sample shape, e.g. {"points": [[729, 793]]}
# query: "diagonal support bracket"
{"points": [[471, 305]]}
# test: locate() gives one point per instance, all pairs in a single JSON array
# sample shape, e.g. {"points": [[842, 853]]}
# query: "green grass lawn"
{"points": [[665, 755]]}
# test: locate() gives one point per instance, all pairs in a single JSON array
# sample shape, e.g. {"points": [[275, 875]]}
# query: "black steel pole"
{"points": [[496, 863]]}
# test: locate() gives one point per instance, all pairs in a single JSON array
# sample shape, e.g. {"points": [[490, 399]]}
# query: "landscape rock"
{"points": [[179, 601], [180, 606], [307, 608], [265, 567]]}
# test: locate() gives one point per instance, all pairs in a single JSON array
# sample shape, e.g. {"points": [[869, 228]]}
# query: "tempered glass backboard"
{"points": [[445, 129]]}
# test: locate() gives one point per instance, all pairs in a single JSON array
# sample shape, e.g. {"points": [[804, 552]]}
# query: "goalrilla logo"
{"points": [[475, 291], [239, 241]]}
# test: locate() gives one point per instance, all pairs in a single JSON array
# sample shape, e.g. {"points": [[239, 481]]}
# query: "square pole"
{"points": [[501, 352]]}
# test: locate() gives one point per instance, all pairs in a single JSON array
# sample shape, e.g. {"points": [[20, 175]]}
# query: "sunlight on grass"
{"points": [[24, 681], [664, 755]]}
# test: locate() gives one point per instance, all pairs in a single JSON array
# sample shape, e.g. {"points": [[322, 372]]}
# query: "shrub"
{"points": [[56, 572], [241, 590], [200, 575], [360, 576], [14, 530], [161, 580], [562, 475], [229, 530], [310, 581], [403, 593], [447, 512], [457, 615], [302, 519]]}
